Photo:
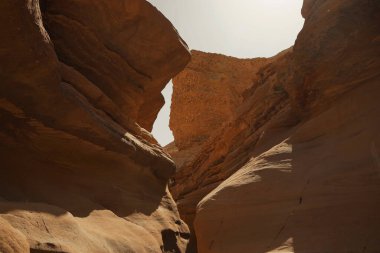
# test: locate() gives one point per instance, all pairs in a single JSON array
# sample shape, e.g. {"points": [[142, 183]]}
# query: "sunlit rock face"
{"points": [[206, 95], [209, 79], [78, 173], [126, 48], [207, 98], [298, 168]]}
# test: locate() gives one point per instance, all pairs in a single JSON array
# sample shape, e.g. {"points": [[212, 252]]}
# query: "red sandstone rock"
{"points": [[78, 174], [193, 178], [109, 43], [206, 95], [297, 170], [209, 79]]}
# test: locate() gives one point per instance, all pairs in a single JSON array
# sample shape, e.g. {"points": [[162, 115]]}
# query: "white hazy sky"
{"points": [[240, 28]]}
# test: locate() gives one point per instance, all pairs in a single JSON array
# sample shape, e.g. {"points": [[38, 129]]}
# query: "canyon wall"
{"points": [[298, 168], [207, 98], [80, 89], [206, 95], [209, 79]]}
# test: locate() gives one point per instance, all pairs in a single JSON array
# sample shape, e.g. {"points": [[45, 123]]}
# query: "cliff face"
{"points": [[120, 46], [78, 174], [206, 95], [216, 87], [297, 170], [209, 79]]}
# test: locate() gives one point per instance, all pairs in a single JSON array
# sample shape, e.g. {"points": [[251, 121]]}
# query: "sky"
{"points": [[240, 28]]}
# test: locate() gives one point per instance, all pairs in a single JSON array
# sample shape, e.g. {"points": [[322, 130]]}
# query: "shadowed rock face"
{"points": [[297, 170], [78, 173]]}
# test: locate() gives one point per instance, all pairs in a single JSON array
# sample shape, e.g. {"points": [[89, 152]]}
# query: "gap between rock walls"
{"points": [[274, 154], [253, 136]]}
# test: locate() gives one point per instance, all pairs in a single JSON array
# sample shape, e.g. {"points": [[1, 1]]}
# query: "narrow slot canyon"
{"points": [[275, 150]]}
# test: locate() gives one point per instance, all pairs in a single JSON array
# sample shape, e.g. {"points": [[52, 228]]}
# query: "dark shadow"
{"points": [[192, 246], [169, 238], [46, 251]]}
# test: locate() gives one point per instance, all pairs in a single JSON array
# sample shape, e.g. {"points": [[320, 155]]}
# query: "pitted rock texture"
{"points": [[206, 95], [78, 173], [297, 170], [209, 79]]}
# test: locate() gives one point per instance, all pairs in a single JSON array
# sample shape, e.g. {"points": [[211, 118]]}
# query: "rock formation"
{"points": [[78, 173], [298, 168], [274, 155], [206, 95], [206, 100]]}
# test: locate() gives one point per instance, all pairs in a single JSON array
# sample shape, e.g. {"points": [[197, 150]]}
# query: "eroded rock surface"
{"points": [[209, 79], [127, 52], [217, 87], [206, 95], [78, 173], [297, 170]]}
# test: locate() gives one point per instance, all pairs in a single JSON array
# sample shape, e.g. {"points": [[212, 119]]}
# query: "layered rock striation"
{"points": [[297, 169], [81, 83]]}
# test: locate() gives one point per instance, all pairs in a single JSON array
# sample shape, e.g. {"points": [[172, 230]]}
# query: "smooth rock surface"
{"points": [[314, 187], [78, 174], [127, 49], [297, 170]]}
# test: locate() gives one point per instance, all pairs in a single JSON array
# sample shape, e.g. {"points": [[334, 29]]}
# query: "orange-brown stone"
{"points": [[78, 173], [297, 169]]}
